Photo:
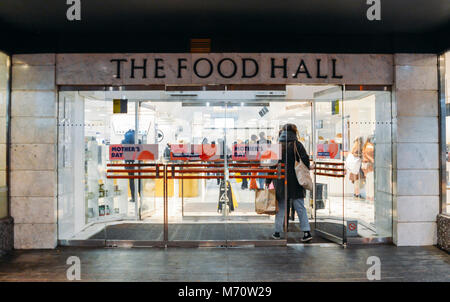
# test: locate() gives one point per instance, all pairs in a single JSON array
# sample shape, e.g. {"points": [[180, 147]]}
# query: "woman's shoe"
{"points": [[276, 236], [307, 237]]}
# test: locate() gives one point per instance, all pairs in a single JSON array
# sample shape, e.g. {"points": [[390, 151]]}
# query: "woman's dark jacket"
{"points": [[294, 190]]}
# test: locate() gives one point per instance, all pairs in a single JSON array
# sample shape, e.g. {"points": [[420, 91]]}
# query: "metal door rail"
{"points": [[330, 169], [179, 171]]}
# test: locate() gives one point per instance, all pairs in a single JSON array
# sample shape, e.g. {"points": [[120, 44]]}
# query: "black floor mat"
{"points": [[199, 232]]}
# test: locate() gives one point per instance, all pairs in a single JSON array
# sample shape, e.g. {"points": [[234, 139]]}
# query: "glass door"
{"points": [[192, 143], [255, 167], [330, 146]]}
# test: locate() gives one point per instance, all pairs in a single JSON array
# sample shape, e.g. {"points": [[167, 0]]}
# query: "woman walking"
{"points": [[292, 150]]}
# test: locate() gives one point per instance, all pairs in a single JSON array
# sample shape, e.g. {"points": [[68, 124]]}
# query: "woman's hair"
{"points": [[290, 127]]}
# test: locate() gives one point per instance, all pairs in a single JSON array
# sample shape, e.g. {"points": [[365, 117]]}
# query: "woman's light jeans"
{"points": [[299, 206]]}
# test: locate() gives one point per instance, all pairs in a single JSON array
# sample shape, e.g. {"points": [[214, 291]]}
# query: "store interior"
{"points": [[332, 124]]}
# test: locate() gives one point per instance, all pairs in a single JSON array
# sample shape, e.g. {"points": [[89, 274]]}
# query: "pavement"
{"points": [[295, 262]]}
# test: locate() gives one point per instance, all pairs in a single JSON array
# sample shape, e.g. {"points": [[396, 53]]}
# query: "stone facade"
{"points": [[416, 149], [6, 234], [443, 229], [33, 151], [414, 136]]}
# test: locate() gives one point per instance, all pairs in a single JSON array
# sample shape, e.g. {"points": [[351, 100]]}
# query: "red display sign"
{"points": [[261, 152], [202, 152], [329, 151], [133, 152]]}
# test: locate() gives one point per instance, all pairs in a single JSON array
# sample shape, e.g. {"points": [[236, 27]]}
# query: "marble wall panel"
{"points": [[417, 182], [33, 157], [2, 178], [418, 156], [2, 156], [2, 130], [25, 77], [3, 103], [41, 59], [408, 59], [33, 209], [416, 77], [34, 103], [33, 130], [374, 69], [415, 233], [4, 77], [417, 129], [35, 236], [33, 183], [417, 103], [417, 208]]}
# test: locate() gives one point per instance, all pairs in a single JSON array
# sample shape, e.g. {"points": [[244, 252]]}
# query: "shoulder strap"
{"points": [[296, 151]]}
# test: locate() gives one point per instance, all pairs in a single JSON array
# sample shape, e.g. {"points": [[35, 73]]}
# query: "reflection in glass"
{"points": [[214, 147]]}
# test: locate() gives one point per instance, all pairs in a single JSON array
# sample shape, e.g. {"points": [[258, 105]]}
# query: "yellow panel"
{"points": [[160, 187], [190, 187]]}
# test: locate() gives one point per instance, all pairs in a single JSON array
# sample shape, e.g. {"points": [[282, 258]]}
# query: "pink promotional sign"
{"points": [[328, 151], [133, 152], [212, 152], [203, 152], [260, 152]]}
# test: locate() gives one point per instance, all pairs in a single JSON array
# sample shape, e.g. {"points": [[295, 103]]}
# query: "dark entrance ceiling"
{"points": [[233, 26]]}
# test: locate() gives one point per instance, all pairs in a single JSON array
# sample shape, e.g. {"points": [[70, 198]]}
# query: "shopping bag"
{"points": [[253, 185], [353, 164], [302, 172], [265, 202]]}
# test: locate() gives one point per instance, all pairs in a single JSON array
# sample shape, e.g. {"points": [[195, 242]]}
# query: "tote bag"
{"points": [[302, 172], [353, 164], [266, 202]]}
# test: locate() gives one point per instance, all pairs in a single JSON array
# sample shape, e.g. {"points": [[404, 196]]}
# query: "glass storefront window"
{"points": [[4, 76], [179, 130], [367, 123]]}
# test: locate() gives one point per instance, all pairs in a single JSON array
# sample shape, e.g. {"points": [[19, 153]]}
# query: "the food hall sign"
{"points": [[147, 69], [226, 68]]}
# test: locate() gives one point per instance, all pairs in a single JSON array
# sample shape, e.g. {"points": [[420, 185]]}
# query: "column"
{"points": [[33, 151], [416, 149]]}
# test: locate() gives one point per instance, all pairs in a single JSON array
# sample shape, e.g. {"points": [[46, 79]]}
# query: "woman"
{"points": [[368, 152], [295, 193], [355, 175]]}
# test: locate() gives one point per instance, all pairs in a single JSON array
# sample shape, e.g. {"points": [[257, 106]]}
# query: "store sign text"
{"points": [[226, 68]]}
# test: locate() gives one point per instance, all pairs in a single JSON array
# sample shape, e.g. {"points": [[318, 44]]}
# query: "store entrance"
{"points": [[158, 168]]}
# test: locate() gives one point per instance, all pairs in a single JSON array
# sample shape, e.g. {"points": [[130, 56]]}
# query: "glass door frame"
{"points": [[166, 242], [317, 230]]}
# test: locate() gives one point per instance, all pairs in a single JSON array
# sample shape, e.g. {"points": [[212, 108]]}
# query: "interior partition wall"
{"points": [[172, 198]]}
